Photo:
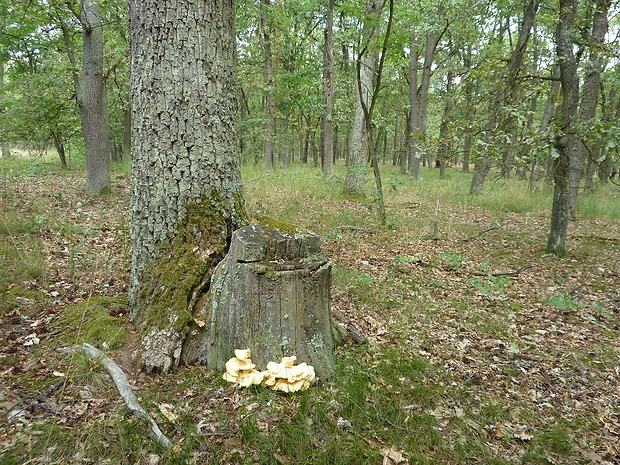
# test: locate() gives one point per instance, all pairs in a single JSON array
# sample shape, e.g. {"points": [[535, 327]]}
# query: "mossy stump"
{"points": [[269, 294]]}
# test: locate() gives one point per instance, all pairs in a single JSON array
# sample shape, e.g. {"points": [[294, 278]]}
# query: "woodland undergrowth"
{"points": [[468, 344]]}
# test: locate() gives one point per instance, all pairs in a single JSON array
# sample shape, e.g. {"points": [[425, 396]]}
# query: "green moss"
{"points": [[281, 226], [180, 276], [27, 301], [96, 320]]}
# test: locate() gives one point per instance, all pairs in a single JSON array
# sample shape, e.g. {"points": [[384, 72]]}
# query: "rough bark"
{"points": [[92, 102], [566, 142], [186, 191], [271, 295]]}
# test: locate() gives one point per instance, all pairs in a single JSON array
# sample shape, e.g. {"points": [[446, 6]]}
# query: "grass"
{"points": [[98, 320]]}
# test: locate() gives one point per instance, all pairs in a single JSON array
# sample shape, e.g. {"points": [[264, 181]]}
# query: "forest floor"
{"points": [[471, 344]]}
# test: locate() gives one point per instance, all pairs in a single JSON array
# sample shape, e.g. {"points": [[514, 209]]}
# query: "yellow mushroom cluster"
{"points": [[241, 371], [283, 376]]}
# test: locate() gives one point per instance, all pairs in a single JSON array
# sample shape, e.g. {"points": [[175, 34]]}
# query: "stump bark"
{"points": [[269, 294]]}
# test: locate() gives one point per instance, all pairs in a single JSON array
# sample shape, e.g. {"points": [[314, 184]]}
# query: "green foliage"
{"points": [[454, 261], [491, 285], [562, 301]]}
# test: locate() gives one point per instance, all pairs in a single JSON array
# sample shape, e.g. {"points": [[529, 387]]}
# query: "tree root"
{"points": [[124, 389]]}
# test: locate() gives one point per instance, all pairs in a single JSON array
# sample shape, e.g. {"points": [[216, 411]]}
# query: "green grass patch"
{"points": [[26, 301], [98, 320]]}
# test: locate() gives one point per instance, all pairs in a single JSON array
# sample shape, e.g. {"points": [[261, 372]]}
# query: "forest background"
{"points": [[464, 87]]}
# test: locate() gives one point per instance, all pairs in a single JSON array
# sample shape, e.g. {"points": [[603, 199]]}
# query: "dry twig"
{"points": [[120, 379], [480, 233]]}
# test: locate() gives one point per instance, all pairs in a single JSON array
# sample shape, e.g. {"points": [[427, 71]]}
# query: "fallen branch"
{"points": [[120, 379], [480, 233], [508, 274], [356, 228]]}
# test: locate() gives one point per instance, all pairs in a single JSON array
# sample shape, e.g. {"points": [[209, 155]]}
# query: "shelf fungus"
{"points": [[285, 376], [241, 371]]}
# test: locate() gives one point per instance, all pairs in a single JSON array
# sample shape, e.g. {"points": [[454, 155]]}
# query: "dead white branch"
{"points": [[120, 379]]}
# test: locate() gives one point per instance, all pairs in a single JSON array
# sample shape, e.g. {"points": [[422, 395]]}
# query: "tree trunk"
{"points": [[506, 94], [327, 137], [591, 88], [413, 158], [92, 102], [126, 147], [270, 99], [566, 143], [60, 148], [186, 186], [469, 91], [358, 138], [546, 119], [429, 57], [444, 148], [6, 152]]}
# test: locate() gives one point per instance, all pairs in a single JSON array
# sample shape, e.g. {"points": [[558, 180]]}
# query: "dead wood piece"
{"points": [[124, 389], [357, 337], [508, 274], [479, 233]]}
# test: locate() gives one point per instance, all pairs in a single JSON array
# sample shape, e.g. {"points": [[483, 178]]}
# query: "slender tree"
{"points": [[365, 77], [327, 136], [507, 91], [566, 167], [269, 77], [92, 101]]}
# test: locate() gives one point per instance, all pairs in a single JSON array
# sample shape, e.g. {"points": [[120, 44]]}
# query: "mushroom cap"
{"points": [[285, 376], [243, 354]]}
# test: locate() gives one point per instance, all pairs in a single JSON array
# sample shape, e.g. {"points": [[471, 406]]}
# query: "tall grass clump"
{"points": [[602, 203], [514, 197]]}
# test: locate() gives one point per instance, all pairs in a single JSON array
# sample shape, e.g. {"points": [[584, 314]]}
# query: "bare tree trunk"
{"points": [[546, 119], [358, 138], [443, 150], [92, 102], [60, 148], [566, 143], [589, 97], [126, 147], [6, 152], [413, 158], [327, 137], [270, 100], [467, 140]]}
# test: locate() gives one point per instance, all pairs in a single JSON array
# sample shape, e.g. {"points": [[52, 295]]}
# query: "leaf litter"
{"points": [[518, 358]]}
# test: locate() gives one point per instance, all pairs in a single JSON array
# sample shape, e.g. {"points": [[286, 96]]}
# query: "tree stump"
{"points": [[270, 294]]}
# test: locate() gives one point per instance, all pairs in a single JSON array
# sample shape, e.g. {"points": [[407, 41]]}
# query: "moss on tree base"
{"points": [[177, 280]]}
